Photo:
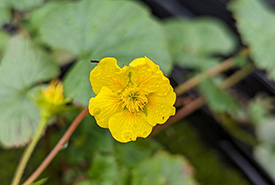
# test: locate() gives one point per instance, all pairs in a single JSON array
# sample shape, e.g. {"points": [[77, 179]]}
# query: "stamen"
{"points": [[134, 99]]}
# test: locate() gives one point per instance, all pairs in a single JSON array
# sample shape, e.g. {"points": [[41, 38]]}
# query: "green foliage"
{"points": [[254, 23], [40, 182], [133, 153], [21, 5], [182, 138], [259, 108], [22, 67], [163, 169], [78, 78], [160, 169], [5, 15], [38, 16], [194, 42], [265, 131], [266, 156], [6, 7], [4, 39], [104, 169], [265, 152], [95, 34], [217, 99], [89, 134]]}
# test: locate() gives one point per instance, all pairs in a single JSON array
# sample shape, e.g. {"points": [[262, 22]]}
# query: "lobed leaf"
{"points": [[255, 24], [196, 41], [21, 68], [163, 169], [97, 29]]}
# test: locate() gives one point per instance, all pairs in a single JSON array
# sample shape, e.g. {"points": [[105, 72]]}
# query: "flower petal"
{"points": [[147, 75], [126, 126], [108, 73], [104, 105], [160, 108]]}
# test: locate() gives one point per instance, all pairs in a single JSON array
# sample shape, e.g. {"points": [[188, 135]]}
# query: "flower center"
{"points": [[134, 99]]}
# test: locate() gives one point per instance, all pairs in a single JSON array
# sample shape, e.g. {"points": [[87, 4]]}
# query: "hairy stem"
{"points": [[27, 154], [57, 147], [227, 64]]}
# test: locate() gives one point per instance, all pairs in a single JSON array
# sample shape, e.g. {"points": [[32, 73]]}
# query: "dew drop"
{"points": [[128, 135], [144, 133], [65, 145], [96, 110]]}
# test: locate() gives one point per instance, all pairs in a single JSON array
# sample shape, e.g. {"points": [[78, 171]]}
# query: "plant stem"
{"points": [[57, 147], [199, 102], [238, 76], [227, 64], [181, 113], [26, 156]]}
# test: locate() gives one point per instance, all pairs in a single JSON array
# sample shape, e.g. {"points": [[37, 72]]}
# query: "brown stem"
{"points": [[238, 76], [183, 112], [227, 64], [197, 103], [57, 147]]}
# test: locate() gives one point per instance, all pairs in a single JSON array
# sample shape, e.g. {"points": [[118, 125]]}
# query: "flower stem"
{"points": [[227, 64], [199, 102], [57, 147], [238, 76], [26, 156]]}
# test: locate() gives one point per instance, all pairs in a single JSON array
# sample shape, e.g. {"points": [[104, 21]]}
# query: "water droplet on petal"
{"points": [[128, 135], [96, 111], [117, 70], [144, 133]]}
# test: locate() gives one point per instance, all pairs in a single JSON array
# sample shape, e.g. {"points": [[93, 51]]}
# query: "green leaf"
{"points": [[199, 39], [38, 16], [5, 15], [259, 108], [265, 131], [87, 182], [77, 85], [104, 169], [163, 169], [254, 22], [22, 67], [26, 4], [4, 39], [217, 99], [90, 30], [196, 62], [88, 134], [40, 182], [133, 153], [266, 156], [175, 168]]}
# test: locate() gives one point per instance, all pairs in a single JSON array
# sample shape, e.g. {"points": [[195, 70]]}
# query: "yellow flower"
{"points": [[51, 99], [54, 93], [130, 100]]}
